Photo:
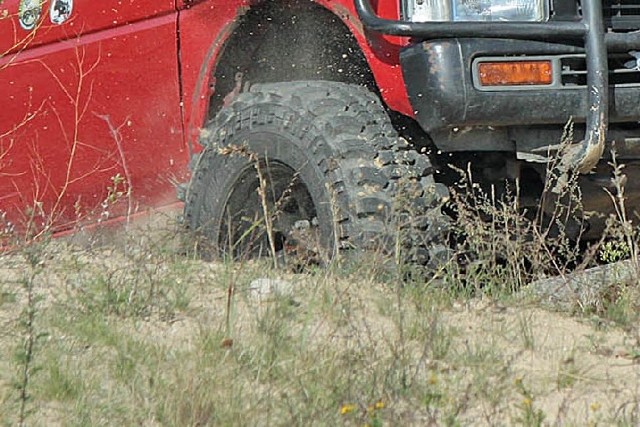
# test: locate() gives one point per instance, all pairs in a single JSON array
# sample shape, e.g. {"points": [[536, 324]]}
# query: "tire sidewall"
{"points": [[223, 171]]}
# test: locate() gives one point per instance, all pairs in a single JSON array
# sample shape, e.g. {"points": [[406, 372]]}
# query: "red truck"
{"points": [[335, 103]]}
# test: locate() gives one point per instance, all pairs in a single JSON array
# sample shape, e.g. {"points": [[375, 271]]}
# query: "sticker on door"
{"points": [[60, 11], [29, 13]]}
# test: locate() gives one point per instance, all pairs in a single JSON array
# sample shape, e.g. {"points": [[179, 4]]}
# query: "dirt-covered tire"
{"points": [[330, 158]]}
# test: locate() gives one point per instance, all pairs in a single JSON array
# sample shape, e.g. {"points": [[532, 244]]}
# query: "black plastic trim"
{"points": [[438, 77], [590, 29]]}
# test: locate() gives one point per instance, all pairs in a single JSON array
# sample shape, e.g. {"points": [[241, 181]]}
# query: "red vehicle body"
{"points": [[111, 101], [103, 104]]}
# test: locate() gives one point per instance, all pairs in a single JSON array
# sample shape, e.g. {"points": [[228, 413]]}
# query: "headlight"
{"points": [[474, 10]]}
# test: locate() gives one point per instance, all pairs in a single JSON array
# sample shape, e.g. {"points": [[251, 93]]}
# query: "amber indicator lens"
{"points": [[515, 73]]}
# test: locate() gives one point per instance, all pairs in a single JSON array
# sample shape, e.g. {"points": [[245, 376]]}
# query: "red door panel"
{"points": [[86, 17], [90, 122]]}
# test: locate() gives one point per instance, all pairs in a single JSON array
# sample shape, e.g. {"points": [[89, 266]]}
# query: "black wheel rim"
{"points": [[286, 201]]}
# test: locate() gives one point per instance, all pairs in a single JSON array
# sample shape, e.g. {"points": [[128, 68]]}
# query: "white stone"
{"points": [[264, 288]]}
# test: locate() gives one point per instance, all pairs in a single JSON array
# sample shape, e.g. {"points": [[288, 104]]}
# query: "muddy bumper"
{"points": [[441, 74], [442, 79]]}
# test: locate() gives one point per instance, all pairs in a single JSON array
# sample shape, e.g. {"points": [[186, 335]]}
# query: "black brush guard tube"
{"points": [[585, 155]]}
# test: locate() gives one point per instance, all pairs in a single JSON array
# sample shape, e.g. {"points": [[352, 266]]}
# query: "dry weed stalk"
{"points": [[619, 203], [268, 219], [500, 236], [270, 210], [39, 220], [117, 138], [25, 354], [20, 41]]}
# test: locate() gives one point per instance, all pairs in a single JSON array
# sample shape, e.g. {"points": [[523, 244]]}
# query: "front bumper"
{"points": [[591, 103], [439, 76]]}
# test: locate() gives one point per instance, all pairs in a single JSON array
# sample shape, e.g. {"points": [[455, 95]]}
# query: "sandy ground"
{"points": [[578, 370]]}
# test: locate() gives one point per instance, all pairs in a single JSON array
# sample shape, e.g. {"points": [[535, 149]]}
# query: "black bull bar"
{"points": [[584, 155]]}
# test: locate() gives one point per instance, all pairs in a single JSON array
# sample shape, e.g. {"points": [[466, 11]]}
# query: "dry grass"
{"points": [[131, 331]]}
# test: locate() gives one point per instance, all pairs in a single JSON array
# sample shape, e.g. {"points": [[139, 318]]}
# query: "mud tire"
{"points": [[364, 182]]}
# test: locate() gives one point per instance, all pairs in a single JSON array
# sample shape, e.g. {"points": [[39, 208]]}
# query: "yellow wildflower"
{"points": [[376, 406], [347, 409], [433, 379]]}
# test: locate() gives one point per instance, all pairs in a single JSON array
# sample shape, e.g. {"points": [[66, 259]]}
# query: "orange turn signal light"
{"points": [[515, 73]]}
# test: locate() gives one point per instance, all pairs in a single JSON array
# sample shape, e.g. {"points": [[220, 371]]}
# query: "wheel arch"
{"points": [[371, 60], [259, 50]]}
